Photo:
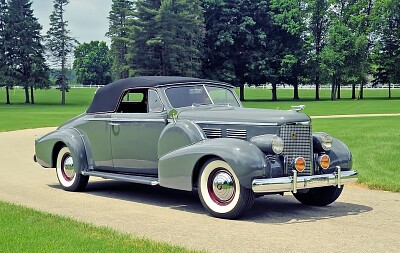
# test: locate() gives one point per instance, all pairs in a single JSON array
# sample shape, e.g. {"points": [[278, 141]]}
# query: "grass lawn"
{"points": [[26, 230], [374, 142], [375, 101], [46, 112]]}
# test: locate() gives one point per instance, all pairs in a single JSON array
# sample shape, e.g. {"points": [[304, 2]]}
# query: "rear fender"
{"points": [[48, 146], [177, 169]]}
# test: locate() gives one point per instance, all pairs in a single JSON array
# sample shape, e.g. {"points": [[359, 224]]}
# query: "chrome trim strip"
{"points": [[128, 178], [100, 119], [127, 120], [291, 184], [234, 123], [303, 123], [136, 120]]}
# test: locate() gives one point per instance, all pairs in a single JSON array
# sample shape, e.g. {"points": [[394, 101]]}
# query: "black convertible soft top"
{"points": [[107, 97]]}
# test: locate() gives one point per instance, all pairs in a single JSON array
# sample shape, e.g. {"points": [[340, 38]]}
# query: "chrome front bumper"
{"points": [[294, 183]]}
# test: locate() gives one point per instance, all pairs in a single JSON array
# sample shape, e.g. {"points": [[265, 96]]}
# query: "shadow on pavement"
{"points": [[271, 209]]}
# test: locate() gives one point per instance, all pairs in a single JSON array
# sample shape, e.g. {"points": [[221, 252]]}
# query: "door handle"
{"points": [[114, 124]]}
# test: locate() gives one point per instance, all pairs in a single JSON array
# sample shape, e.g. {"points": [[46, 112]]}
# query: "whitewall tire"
{"points": [[220, 191], [66, 175]]}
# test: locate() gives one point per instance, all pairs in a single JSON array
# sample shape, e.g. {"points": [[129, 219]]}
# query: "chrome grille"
{"points": [[212, 132], [298, 142], [235, 133]]}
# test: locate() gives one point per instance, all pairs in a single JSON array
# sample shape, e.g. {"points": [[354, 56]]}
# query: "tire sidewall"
{"points": [[205, 197], [66, 184]]}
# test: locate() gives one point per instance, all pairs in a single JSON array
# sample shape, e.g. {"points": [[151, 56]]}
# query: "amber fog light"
{"points": [[324, 161], [300, 164]]}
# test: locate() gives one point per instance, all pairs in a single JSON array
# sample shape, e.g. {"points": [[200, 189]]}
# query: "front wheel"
{"points": [[220, 191], [66, 175], [321, 196]]}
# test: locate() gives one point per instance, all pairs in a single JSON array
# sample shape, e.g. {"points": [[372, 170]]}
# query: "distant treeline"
{"points": [[255, 41], [291, 42]]}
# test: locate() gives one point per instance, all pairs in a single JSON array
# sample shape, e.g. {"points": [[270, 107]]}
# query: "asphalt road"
{"points": [[359, 221]]}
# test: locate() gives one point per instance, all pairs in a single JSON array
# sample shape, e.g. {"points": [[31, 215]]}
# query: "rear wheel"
{"points": [[66, 175], [321, 196], [220, 191]]}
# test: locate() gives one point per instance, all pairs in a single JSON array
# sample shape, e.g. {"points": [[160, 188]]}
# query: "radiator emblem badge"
{"points": [[293, 136]]}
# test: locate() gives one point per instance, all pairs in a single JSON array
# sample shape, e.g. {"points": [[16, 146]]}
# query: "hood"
{"points": [[242, 115]]}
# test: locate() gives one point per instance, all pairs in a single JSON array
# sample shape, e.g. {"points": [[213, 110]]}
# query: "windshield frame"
{"points": [[205, 85]]}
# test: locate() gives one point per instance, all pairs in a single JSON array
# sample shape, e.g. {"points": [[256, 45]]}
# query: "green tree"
{"points": [[238, 41], [317, 25], [335, 55], [289, 16], [120, 26], [24, 51], [386, 55], [59, 43], [3, 60], [92, 63], [253, 41], [145, 53], [345, 57], [180, 37]]}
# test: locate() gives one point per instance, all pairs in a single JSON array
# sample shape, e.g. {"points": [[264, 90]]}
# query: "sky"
{"points": [[87, 19]]}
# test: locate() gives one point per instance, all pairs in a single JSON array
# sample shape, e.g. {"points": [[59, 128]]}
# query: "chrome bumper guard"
{"points": [[294, 183]]}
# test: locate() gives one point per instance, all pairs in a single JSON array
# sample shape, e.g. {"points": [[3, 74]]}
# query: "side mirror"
{"points": [[173, 114]]}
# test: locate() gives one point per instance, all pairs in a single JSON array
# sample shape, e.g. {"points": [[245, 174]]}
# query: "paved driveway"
{"points": [[359, 221]]}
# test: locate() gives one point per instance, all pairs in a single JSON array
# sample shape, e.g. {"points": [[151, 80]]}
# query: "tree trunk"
{"points": [[274, 96], [63, 58], [316, 91], [241, 88], [361, 93], [26, 88], [317, 82], [7, 95], [353, 91], [32, 97], [333, 89], [62, 90], [338, 90], [390, 91], [296, 91], [240, 80]]}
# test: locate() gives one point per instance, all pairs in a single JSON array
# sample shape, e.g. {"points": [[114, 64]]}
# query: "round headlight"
{"points": [[277, 145], [326, 142]]}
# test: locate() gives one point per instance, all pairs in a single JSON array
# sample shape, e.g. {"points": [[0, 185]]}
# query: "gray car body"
{"points": [[173, 150]]}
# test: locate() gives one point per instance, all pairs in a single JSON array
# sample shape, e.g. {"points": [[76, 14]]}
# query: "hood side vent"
{"points": [[236, 133], [212, 132]]}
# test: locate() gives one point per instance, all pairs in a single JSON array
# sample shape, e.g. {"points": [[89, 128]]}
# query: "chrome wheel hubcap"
{"points": [[222, 187], [68, 167]]}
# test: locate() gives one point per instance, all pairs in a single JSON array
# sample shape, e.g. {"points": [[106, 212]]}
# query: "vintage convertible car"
{"points": [[189, 133]]}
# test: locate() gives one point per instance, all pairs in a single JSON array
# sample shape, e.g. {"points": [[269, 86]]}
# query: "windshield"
{"points": [[198, 95]]}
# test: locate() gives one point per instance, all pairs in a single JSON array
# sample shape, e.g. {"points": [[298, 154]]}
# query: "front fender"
{"points": [[177, 168], [47, 147], [340, 155]]}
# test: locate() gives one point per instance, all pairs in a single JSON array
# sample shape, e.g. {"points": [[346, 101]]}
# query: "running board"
{"points": [[128, 178]]}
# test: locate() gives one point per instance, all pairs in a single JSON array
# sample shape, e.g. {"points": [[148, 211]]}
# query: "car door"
{"points": [[135, 130]]}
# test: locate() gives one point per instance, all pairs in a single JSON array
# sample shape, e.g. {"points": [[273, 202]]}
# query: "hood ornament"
{"points": [[297, 108]]}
